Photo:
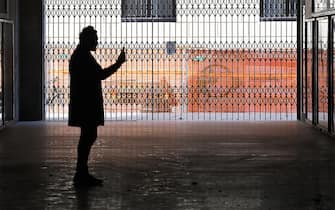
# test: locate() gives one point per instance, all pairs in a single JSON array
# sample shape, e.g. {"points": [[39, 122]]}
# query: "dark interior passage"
{"points": [[170, 165]]}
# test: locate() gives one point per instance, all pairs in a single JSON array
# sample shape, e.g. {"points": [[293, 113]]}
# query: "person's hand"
{"points": [[122, 57]]}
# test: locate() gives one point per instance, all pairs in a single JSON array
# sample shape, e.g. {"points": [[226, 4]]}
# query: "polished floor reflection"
{"points": [[171, 165]]}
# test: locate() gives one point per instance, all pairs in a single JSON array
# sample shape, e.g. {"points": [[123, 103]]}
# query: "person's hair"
{"points": [[87, 33]]}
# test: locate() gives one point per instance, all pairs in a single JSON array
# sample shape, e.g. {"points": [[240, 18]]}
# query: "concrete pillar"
{"points": [[30, 87]]}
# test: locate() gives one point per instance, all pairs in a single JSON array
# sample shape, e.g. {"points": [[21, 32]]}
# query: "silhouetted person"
{"points": [[86, 101]]}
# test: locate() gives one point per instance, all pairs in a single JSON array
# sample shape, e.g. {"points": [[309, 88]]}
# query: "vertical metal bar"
{"points": [[315, 97], [62, 94], [2, 82], [13, 100], [121, 87], [152, 69], [177, 79], [306, 71], [198, 66], [192, 66], [271, 52], [248, 86], [43, 65], [138, 97], [221, 95], [299, 58], [330, 74], [56, 67], [215, 67], [313, 6], [261, 8], [169, 67], [263, 61]]}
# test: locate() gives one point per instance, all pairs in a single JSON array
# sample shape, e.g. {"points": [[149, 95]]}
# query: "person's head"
{"points": [[88, 38]]}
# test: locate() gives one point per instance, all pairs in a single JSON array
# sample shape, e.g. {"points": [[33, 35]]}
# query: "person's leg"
{"points": [[88, 136]]}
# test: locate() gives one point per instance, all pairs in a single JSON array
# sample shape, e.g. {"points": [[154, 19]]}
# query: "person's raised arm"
{"points": [[113, 68]]}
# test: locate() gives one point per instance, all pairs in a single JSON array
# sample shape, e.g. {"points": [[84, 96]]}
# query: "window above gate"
{"points": [[278, 10], [319, 8], [148, 10]]}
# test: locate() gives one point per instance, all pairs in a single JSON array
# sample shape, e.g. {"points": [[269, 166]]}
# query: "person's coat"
{"points": [[86, 100]]}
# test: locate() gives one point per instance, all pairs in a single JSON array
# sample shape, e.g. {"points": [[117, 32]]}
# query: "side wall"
{"points": [[30, 60]]}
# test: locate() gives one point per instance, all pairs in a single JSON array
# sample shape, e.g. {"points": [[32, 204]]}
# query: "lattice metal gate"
{"points": [[187, 59]]}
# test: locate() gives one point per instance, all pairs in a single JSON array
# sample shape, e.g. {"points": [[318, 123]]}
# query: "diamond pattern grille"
{"points": [[224, 62]]}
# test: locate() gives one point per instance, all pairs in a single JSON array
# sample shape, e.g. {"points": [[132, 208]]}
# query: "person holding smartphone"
{"points": [[86, 100]]}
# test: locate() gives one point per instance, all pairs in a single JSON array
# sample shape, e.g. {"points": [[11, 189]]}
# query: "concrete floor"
{"points": [[171, 165]]}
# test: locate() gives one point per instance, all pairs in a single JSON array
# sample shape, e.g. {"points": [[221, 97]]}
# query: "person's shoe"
{"points": [[95, 181], [86, 180]]}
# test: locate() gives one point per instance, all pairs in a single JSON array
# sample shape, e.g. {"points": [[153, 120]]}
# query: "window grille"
{"points": [[148, 10], [278, 10]]}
